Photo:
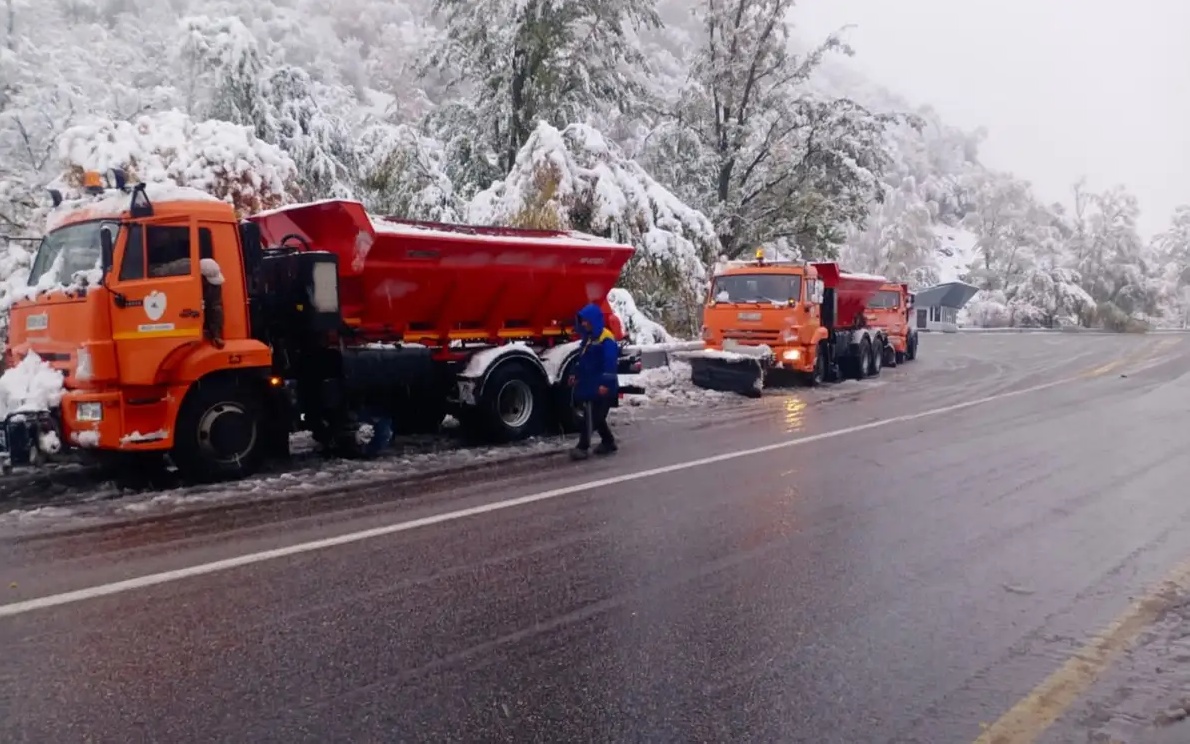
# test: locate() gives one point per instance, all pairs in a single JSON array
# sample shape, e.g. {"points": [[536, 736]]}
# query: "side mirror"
{"points": [[107, 245]]}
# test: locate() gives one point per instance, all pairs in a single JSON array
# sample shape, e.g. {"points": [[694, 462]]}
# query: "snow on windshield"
{"points": [[757, 288], [70, 251]]}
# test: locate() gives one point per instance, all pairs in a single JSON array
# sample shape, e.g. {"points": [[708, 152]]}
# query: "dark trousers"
{"points": [[595, 420]]}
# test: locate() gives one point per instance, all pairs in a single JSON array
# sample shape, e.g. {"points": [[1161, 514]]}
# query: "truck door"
{"points": [[156, 297]]}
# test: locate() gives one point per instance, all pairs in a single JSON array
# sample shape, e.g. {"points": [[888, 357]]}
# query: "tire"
{"points": [[513, 404], [877, 362], [818, 375], [911, 348], [565, 414], [220, 433], [900, 358], [863, 361], [890, 356]]}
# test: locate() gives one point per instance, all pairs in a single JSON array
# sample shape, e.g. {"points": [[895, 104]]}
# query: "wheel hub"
{"points": [[226, 432], [514, 404]]}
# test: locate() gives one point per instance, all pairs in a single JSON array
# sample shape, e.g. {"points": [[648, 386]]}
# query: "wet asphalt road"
{"points": [[904, 582]]}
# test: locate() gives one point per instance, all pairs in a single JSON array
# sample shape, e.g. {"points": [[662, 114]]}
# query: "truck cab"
{"points": [[890, 309], [115, 302], [761, 304]]}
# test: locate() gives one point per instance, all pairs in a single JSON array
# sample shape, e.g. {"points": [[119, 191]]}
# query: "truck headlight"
{"points": [[88, 412], [792, 355]]}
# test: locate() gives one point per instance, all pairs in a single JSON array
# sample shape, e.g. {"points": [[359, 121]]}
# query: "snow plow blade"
{"points": [[741, 372]]}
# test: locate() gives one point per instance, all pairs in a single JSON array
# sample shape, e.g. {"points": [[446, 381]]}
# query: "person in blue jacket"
{"points": [[595, 382]]}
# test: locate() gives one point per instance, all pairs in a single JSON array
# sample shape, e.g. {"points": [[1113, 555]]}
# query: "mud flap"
{"points": [[734, 373]]}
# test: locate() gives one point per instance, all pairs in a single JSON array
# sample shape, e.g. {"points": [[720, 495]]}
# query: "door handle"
{"points": [[189, 313]]}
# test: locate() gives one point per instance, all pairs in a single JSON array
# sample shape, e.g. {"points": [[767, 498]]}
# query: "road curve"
{"points": [[902, 560]]}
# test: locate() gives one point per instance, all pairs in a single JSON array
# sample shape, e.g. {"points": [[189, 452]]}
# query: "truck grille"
{"points": [[750, 335]]}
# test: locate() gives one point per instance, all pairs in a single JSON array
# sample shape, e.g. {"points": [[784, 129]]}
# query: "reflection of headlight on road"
{"points": [[792, 355]]}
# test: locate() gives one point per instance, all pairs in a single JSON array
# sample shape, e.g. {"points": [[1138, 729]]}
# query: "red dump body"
{"points": [[852, 291], [433, 283]]}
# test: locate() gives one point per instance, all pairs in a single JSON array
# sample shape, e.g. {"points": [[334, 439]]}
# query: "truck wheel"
{"points": [[863, 362], [367, 437], [911, 348], [219, 435], [899, 358], [512, 406], [877, 357], [565, 415], [890, 356], [818, 374]]}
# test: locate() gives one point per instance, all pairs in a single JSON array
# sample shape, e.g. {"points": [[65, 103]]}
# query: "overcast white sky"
{"points": [[1065, 87]]}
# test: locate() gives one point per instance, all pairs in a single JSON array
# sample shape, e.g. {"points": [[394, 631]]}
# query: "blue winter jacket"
{"points": [[599, 356]]}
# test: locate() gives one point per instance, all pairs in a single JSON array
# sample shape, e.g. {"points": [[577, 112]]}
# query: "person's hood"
{"points": [[593, 315]]}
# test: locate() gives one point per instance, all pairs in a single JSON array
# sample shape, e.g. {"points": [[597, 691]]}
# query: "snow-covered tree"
{"points": [[222, 159], [403, 173], [531, 60], [574, 179], [769, 158]]}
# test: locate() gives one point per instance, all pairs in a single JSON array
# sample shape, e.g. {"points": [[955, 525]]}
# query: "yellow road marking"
{"points": [[1102, 370], [1037, 711]]}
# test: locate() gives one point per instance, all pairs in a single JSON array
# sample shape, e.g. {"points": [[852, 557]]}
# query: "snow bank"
{"points": [[573, 179], [671, 386], [640, 329], [32, 385], [217, 157]]}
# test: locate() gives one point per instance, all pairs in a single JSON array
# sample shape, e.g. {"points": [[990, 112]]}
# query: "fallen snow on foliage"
{"points": [[639, 328], [672, 386], [32, 385], [573, 179], [215, 157], [956, 253]]}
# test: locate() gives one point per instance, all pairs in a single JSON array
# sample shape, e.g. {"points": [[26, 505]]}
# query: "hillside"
{"points": [[612, 116]]}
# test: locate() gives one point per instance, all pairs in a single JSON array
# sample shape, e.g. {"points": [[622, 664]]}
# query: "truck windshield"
{"points": [[68, 251], [757, 288], [885, 299]]}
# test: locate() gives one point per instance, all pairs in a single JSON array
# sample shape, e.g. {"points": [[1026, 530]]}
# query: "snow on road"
{"points": [[668, 387]]}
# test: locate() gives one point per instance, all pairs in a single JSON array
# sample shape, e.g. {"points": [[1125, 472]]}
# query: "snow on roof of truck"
{"points": [[111, 204], [394, 226], [450, 231]]}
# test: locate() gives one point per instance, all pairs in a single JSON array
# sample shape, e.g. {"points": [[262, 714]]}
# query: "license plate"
{"points": [[749, 316]]}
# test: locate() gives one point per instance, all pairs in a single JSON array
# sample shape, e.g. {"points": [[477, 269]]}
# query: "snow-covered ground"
{"points": [[1147, 692], [668, 387]]}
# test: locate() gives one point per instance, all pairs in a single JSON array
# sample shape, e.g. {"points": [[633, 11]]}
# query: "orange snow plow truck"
{"points": [[775, 323], [889, 310], [182, 331]]}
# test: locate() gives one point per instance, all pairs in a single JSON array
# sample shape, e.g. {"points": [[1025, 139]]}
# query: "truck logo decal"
{"points": [[37, 322], [155, 305]]}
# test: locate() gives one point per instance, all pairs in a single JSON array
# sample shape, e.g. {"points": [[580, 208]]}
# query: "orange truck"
{"points": [[889, 309], [770, 323], [182, 331]]}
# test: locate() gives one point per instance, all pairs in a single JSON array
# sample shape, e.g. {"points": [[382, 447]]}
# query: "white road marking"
{"points": [[165, 577]]}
